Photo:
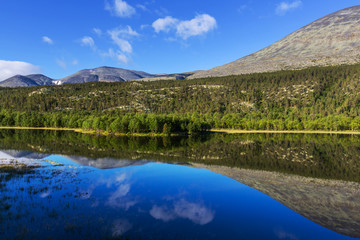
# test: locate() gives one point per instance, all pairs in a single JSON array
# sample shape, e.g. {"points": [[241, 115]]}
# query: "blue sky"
{"points": [[60, 37]]}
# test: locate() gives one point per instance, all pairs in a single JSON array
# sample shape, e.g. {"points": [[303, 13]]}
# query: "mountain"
{"points": [[18, 81], [41, 79], [331, 40], [104, 74], [27, 81], [101, 74]]}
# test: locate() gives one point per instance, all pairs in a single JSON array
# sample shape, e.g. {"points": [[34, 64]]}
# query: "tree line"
{"points": [[318, 98]]}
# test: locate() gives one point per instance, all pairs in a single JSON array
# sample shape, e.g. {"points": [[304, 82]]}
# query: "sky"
{"points": [[60, 37]]}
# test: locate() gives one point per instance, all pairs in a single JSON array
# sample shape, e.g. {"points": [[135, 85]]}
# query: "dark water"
{"points": [[90, 187]]}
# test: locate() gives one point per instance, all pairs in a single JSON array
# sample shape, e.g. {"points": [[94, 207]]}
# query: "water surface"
{"points": [[152, 188]]}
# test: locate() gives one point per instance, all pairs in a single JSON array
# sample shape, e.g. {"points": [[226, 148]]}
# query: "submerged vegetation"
{"points": [[320, 98]]}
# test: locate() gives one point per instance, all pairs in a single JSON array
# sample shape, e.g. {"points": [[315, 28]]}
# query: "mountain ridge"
{"points": [[330, 40], [104, 74]]}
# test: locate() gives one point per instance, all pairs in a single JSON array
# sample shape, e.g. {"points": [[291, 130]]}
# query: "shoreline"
{"points": [[235, 131], [211, 131], [92, 132]]}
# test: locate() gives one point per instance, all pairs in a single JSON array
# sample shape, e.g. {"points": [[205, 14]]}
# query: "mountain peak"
{"points": [[105, 74], [331, 40]]}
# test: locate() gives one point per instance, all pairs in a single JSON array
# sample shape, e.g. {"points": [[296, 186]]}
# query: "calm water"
{"points": [[125, 188]]}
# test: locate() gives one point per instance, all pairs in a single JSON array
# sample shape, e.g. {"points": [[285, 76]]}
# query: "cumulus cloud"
{"points": [[88, 41], [199, 25], [165, 24], [11, 68], [117, 55], [285, 7], [120, 36], [47, 40], [120, 8]]}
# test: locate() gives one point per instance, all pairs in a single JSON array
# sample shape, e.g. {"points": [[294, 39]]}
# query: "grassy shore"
{"points": [[235, 131], [94, 132], [227, 131]]}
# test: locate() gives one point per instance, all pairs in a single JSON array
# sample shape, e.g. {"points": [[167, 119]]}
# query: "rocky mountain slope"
{"points": [[331, 40], [27, 81], [18, 81], [104, 74]]}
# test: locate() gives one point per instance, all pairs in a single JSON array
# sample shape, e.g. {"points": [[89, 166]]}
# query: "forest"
{"points": [[318, 98]]}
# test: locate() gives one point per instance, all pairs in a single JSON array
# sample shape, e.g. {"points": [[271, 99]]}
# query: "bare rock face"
{"points": [[331, 40]]}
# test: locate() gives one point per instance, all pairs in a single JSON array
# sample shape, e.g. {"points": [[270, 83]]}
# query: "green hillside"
{"points": [[320, 98]]}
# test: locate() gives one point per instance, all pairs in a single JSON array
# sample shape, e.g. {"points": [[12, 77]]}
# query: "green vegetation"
{"points": [[321, 98]]}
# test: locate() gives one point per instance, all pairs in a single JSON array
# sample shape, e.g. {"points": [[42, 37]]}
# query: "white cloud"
{"points": [[88, 41], [75, 62], [122, 58], [47, 40], [124, 45], [119, 56], [120, 8], [199, 25], [165, 24], [97, 31], [11, 68], [120, 36], [284, 7]]}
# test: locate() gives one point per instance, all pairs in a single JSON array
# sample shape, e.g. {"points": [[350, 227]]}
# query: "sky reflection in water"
{"points": [[149, 201]]}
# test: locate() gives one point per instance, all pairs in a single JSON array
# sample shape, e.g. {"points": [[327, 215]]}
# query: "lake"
{"points": [[67, 185]]}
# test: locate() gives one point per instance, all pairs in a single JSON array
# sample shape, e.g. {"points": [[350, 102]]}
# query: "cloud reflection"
{"points": [[197, 213], [120, 226], [281, 234], [119, 198]]}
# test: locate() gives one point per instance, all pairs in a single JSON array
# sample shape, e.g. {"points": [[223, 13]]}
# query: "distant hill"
{"points": [[27, 81], [18, 81], [331, 40], [101, 74], [104, 74]]}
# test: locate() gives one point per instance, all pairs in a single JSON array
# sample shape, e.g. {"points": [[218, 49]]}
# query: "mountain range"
{"points": [[331, 40]]}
